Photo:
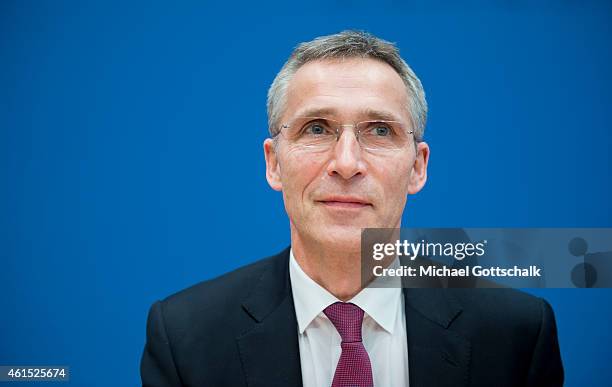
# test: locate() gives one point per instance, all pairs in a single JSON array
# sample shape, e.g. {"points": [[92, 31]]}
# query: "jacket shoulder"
{"points": [[215, 303], [226, 287], [513, 336], [501, 303], [508, 316]]}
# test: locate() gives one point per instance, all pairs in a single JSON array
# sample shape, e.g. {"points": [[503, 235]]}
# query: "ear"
{"points": [[272, 167], [418, 175]]}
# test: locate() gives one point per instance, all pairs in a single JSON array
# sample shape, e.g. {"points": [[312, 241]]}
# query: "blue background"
{"points": [[131, 163]]}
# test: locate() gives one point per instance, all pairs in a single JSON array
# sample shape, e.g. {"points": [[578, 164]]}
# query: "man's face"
{"points": [[330, 196]]}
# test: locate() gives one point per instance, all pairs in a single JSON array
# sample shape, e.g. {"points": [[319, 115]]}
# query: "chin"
{"points": [[341, 237]]}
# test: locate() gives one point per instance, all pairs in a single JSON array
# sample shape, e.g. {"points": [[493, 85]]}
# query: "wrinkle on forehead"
{"points": [[355, 87]]}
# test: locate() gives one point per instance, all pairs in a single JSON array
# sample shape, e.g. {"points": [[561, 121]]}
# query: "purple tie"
{"points": [[354, 368]]}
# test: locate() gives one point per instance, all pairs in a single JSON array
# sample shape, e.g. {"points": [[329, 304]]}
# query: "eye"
{"points": [[381, 130], [315, 129]]}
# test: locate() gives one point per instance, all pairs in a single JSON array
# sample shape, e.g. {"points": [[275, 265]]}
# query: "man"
{"points": [[346, 117]]}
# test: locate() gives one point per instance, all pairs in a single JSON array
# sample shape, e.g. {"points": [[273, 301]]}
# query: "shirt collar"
{"points": [[311, 299]]}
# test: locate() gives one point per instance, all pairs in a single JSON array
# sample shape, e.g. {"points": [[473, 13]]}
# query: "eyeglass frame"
{"points": [[339, 132]]}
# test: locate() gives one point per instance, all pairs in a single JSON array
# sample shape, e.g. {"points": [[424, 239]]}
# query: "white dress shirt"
{"points": [[383, 331]]}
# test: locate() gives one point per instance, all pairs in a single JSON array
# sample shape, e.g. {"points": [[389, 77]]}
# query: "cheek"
{"points": [[297, 173], [396, 181]]}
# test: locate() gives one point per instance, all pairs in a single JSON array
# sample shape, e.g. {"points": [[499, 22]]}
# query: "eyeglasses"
{"points": [[318, 134]]}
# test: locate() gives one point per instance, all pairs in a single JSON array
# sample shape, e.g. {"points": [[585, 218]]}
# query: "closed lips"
{"points": [[345, 202]]}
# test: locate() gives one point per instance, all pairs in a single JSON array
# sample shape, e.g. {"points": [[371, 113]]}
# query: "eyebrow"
{"points": [[368, 113], [317, 112], [380, 115]]}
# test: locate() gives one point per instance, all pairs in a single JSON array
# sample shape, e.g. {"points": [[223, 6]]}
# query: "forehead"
{"points": [[347, 89]]}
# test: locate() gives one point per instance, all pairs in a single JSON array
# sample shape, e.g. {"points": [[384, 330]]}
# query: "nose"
{"points": [[347, 158]]}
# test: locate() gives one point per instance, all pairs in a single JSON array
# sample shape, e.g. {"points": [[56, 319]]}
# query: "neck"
{"points": [[337, 268]]}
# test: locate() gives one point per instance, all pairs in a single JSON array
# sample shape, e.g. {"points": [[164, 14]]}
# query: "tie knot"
{"points": [[347, 319]]}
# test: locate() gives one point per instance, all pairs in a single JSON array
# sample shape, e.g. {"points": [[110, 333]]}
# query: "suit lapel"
{"points": [[270, 351], [437, 356]]}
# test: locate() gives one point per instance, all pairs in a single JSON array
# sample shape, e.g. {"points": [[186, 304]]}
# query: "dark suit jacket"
{"points": [[240, 330]]}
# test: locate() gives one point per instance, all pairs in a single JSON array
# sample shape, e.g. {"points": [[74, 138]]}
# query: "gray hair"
{"points": [[347, 44]]}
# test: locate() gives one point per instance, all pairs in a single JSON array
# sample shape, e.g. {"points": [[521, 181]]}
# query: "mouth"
{"points": [[341, 202]]}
